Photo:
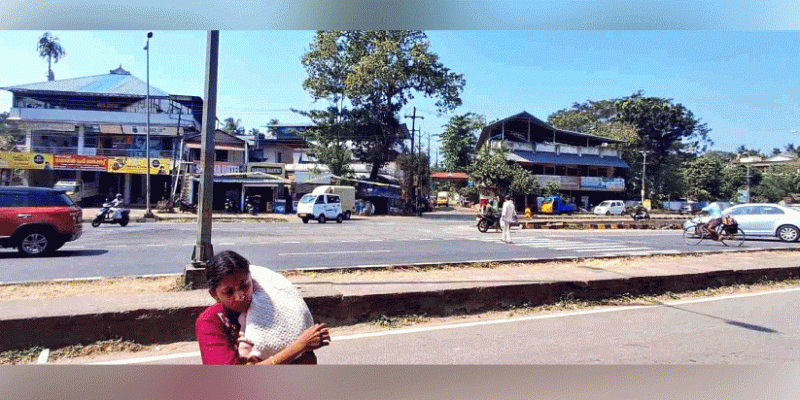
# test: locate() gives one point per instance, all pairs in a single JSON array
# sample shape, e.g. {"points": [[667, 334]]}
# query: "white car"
{"points": [[764, 220], [321, 207], [767, 220], [609, 207]]}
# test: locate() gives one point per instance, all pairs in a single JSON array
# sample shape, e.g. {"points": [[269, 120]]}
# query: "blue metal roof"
{"points": [[566, 159], [118, 82]]}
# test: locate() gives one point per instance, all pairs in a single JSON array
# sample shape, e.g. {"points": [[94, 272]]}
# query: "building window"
{"points": [[537, 169], [601, 172], [221, 155], [549, 170], [280, 157], [561, 170]]}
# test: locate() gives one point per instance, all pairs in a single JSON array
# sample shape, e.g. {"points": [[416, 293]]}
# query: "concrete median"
{"points": [[169, 317]]}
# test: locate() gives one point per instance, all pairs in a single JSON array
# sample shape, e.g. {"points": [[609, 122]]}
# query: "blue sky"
{"points": [[744, 85]]}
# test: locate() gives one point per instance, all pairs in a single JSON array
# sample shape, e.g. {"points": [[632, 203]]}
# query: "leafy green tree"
{"points": [[491, 171], [49, 47], [327, 139], [10, 134], [523, 183], [458, 141], [414, 166], [777, 183], [704, 178], [552, 188], [744, 151], [735, 178], [377, 73]]}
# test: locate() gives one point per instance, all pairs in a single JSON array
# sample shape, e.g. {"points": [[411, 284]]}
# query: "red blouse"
{"points": [[217, 333]]}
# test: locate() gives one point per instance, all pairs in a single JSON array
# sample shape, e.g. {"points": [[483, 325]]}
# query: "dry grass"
{"points": [[56, 289], [31, 355]]}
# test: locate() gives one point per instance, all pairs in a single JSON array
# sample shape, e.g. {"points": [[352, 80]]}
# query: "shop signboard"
{"points": [[83, 163], [26, 160], [136, 165], [602, 183], [154, 130]]}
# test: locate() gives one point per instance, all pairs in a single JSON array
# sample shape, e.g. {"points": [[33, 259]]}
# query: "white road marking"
{"points": [[335, 252], [375, 240], [155, 245], [621, 248], [425, 239], [291, 242], [470, 324]]}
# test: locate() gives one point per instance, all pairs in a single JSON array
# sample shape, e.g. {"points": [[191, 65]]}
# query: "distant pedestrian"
{"points": [[507, 216], [221, 331]]}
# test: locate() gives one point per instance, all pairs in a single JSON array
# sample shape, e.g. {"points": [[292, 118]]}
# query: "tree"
{"points": [[552, 188], [668, 132], [377, 73], [233, 126], [327, 139], [735, 179], [50, 47], [458, 141], [744, 151], [490, 171], [10, 134], [777, 183], [523, 183], [704, 178]]}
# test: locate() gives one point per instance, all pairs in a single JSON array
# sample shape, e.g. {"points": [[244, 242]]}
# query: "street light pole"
{"points": [[148, 213]]}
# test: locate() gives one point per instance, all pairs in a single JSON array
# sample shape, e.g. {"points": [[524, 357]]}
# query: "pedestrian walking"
{"points": [[255, 321], [507, 216]]}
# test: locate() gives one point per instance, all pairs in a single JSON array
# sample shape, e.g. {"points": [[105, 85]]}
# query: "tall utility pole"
{"points": [[644, 163], [203, 250], [148, 213], [748, 183], [414, 117]]}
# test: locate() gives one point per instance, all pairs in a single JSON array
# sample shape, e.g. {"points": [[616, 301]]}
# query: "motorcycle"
{"points": [[111, 214], [185, 206], [230, 205], [252, 204], [640, 214], [486, 222]]}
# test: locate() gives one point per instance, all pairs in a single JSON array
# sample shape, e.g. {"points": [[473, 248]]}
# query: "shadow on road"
{"points": [[57, 254], [739, 324]]}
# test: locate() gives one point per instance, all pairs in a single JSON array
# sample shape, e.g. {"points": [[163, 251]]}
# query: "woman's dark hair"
{"points": [[222, 264]]}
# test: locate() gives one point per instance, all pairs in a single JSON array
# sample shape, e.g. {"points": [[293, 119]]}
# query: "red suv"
{"points": [[37, 221]]}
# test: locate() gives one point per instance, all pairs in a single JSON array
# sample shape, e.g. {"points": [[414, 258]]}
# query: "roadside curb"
{"points": [[467, 263], [151, 324]]}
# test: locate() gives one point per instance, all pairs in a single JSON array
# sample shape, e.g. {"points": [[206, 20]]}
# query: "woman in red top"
{"points": [[217, 328]]}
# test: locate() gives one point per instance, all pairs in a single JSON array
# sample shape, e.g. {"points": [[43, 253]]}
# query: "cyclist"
{"points": [[715, 212]]}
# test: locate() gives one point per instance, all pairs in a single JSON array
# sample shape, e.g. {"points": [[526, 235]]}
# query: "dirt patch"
{"points": [[56, 289]]}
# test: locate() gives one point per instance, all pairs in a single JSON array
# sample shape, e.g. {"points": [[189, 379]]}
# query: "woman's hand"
{"points": [[314, 337]]}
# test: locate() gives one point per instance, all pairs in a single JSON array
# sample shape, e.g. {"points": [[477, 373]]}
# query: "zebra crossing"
{"points": [[597, 247]]}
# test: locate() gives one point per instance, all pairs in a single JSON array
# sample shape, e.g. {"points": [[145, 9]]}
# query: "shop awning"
{"points": [[566, 159]]}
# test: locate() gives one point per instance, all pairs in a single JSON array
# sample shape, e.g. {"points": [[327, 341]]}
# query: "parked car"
{"points": [[767, 220], [609, 207], [320, 206], [37, 221], [690, 208], [443, 199]]}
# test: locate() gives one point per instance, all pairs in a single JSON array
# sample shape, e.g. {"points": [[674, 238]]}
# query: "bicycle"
{"points": [[729, 235]]}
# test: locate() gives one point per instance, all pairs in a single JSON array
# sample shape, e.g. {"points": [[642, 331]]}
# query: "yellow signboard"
{"points": [[136, 165], [26, 160]]}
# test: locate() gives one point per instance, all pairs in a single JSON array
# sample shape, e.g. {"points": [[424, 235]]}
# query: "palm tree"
{"points": [[49, 47], [233, 126]]}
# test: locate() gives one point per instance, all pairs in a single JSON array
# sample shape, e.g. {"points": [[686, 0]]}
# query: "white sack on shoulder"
{"points": [[277, 314]]}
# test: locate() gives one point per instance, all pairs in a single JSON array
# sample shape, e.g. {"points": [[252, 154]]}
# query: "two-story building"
{"points": [[583, 165], [95, 129]]}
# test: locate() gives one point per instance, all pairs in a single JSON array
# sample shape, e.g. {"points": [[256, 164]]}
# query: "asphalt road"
{"points": [[165, 248], [736, 329]]}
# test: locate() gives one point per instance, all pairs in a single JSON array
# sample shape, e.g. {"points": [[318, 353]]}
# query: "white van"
{"points": [[347, 194], [79, 191], [609, 207], [321, 207]]}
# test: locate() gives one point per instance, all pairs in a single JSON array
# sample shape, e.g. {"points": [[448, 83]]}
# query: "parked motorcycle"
{"points": [[185, 206], [231, 205], [486, 222], [252, 204], [640, 214], [112, 214]]}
